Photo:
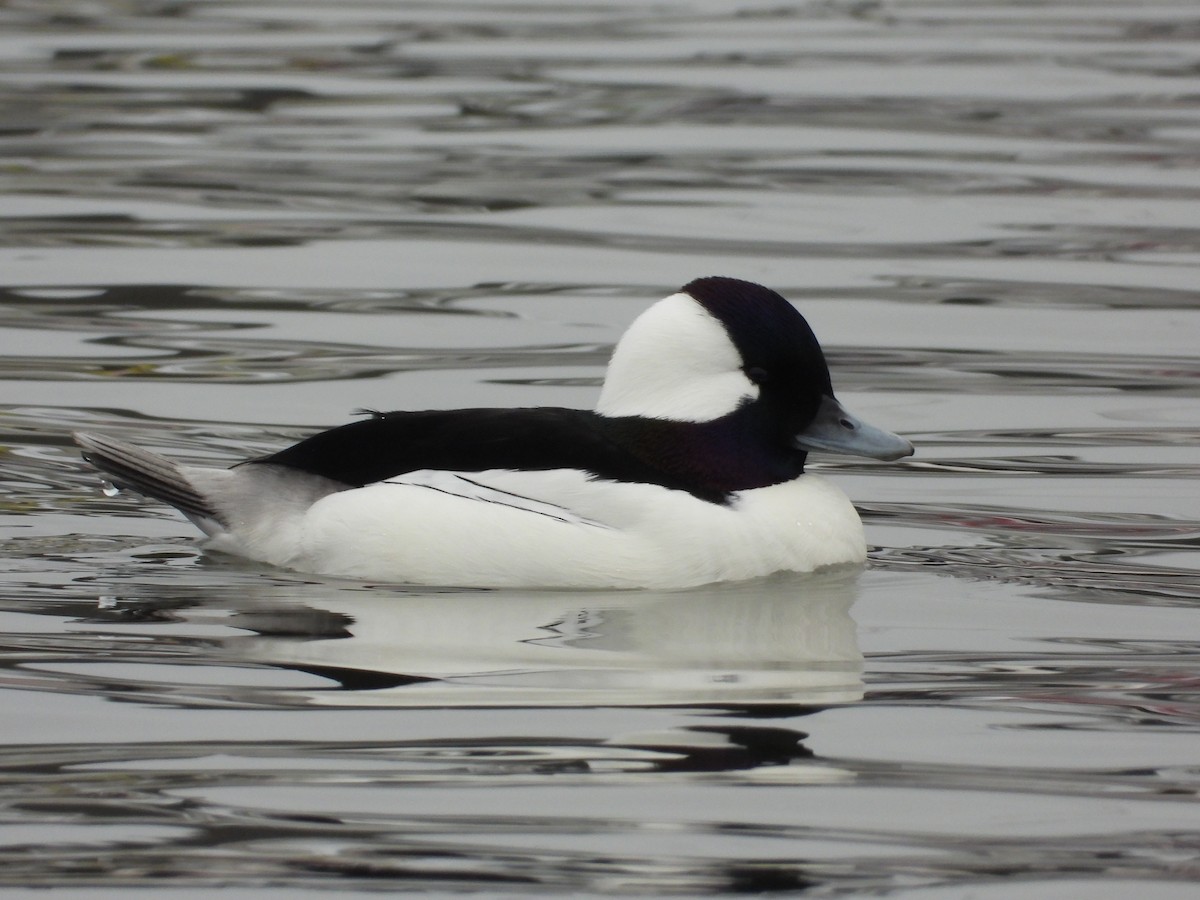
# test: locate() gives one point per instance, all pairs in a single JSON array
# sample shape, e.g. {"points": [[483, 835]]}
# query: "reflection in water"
{"points": [[782, 644], [785, 642], [417, 809]]}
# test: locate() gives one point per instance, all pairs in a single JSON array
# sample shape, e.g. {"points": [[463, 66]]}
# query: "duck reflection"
{"points": [[779, 642]]}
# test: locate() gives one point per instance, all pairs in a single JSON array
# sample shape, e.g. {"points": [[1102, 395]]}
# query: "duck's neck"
{"points": [[709, 459]]}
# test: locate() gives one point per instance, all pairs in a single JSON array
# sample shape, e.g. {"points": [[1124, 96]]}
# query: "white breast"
{"points": [[563, 529]]}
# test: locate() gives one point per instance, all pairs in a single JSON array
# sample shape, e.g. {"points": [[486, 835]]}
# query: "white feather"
{"points": [[675, 362], [556, 529]]}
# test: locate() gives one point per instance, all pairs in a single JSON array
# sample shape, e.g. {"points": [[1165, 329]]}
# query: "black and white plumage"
{"points": [[689, 471]]}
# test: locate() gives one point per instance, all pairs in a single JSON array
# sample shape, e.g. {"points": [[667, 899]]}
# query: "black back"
{"points": [[710, 459]]}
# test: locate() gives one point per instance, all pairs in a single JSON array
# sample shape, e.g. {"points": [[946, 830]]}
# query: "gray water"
{"points": [[226, 224]]}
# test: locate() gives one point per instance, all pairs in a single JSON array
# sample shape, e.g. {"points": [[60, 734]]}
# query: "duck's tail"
{"points": [[149, 474]]}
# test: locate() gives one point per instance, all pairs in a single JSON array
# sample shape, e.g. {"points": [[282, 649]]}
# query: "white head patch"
{"points": [[675, 362]]}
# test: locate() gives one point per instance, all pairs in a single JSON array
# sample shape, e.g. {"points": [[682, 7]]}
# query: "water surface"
{"points": [[226, 224]]}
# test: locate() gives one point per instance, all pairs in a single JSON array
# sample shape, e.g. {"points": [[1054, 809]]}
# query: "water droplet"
{"points": [[109, 489]]}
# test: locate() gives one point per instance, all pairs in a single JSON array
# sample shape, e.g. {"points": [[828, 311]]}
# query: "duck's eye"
{"points": [[757, 375]]}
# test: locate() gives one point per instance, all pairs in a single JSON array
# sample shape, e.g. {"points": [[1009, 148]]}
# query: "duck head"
{"points": [[722, 348]]}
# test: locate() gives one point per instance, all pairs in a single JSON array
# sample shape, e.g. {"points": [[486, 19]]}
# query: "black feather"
{"points": [[709, 460], [145, 473]]}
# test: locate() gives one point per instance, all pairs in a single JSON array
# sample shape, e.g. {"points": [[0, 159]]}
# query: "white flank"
{"points": [[556, 529]]}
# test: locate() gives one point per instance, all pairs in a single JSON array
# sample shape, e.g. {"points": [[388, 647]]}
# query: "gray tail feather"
{"points": [[145, 473]]}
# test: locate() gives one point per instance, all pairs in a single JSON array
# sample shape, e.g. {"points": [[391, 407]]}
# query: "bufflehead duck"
{"points": [[690, 470]]}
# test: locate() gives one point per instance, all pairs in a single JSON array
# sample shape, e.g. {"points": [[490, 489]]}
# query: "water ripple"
{"points": [[226, 224]]}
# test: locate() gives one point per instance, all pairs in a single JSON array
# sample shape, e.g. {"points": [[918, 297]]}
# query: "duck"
{"points": [[691, 470]]}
